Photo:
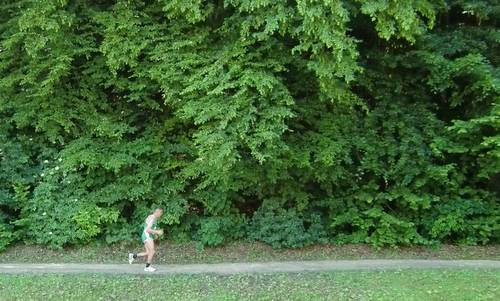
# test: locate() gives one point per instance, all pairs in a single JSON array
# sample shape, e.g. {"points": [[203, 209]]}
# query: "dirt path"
{"points": [[234, 268]]}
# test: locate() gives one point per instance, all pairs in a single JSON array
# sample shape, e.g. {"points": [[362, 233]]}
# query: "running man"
{"points": [[147, 237]]}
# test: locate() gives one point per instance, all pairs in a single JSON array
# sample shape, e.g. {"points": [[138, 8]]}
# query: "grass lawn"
{"points": [[168, 253], [391, 285]]}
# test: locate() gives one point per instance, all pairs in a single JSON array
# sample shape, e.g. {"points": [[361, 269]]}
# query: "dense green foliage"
{"points": [[289, 122]]}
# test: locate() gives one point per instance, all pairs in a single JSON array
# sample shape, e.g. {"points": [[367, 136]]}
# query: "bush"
{"points": [[6, 235], [286, 229], [121, 230], [214, 231], [56, 216], [376, 227], [466, 221]]}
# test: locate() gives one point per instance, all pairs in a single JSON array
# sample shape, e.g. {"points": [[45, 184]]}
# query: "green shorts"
{"points": [[146, 236]]}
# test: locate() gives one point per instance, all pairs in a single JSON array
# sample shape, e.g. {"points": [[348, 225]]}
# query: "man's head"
{"points": [[158, 212]]}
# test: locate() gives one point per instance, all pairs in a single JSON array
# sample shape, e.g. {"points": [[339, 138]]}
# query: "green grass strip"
{"points": [[391, 285]]}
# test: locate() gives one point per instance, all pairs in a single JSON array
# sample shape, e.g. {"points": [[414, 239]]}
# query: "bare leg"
{"points": [[133, 256], [150, 250], [142, 254]]}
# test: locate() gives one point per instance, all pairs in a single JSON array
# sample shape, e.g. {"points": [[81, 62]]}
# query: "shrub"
{"points": [[7, 234], [214, 231], [286, 228]]}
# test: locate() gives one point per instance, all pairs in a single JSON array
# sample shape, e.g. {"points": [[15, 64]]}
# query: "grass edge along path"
{"points": [[187, 253]]}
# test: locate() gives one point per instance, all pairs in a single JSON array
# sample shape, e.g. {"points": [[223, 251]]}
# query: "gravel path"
{"points": [[264, 267]]}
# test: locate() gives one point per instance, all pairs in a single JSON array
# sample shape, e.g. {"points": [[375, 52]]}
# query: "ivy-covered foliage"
{"points": [[289, 122]]}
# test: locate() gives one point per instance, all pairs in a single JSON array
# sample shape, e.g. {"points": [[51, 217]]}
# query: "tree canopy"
{"points": [[289, 122]]}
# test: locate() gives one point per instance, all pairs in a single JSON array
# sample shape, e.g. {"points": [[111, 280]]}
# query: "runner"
{"points": [[147, 237]]}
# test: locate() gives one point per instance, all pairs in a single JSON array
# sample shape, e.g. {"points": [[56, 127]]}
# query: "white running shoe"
{"points": [[149, 269], [130, 258]]}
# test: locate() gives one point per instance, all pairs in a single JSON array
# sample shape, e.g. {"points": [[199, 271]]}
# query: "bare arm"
{"points": [[150, 221]]}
